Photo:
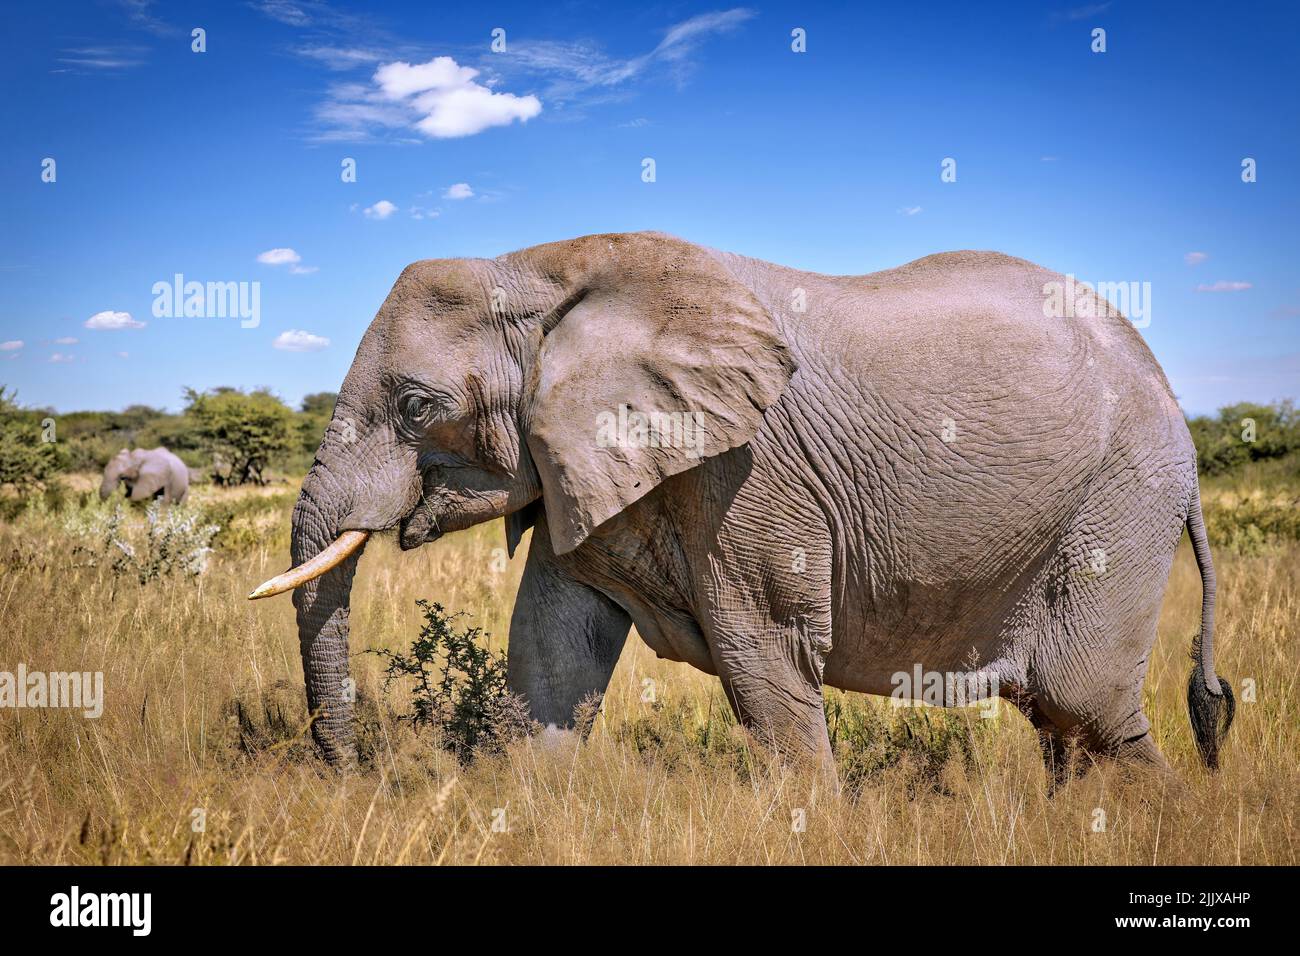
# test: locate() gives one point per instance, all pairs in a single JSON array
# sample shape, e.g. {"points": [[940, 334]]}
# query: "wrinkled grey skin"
{"points": [[147, 473], [917, 467]]}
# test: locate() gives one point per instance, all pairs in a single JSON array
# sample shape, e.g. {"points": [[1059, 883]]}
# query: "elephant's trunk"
{"points": [[362, 481], [112, 475], [322, 603]]}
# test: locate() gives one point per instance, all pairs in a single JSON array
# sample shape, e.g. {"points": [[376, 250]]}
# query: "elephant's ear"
{"points": [[661, 360]]}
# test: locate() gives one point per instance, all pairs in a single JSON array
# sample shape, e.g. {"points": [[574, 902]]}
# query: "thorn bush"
{"points": [[458, 686]]}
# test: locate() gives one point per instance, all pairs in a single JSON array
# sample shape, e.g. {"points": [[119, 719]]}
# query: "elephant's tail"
{"points": [[1210, 703]]}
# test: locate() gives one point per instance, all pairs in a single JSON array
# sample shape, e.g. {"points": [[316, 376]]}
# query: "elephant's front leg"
{"points": [[565, 637]]}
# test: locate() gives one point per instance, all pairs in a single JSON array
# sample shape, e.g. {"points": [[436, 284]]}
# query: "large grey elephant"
{"points": [[147, 473], [782, 478]]}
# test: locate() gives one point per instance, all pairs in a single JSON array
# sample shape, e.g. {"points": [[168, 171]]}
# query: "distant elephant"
{"points": [[782, 478], [147, 473]]}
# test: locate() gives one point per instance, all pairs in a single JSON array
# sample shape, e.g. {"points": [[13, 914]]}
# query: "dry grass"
{"points": [[204, 712]]}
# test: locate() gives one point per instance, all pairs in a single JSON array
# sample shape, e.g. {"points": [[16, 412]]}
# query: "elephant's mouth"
{"points": [[417, 528], [421, 526]]}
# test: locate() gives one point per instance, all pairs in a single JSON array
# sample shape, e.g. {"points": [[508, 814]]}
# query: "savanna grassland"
{"points": [[202, 754]]}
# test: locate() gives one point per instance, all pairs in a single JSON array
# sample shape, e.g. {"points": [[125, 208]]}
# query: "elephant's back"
{"points": [[967, 323], [971, 343], [172, 461], [998, 305]]}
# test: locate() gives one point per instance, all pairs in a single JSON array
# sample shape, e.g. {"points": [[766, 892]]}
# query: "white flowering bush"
{"points": [[171, 540]]}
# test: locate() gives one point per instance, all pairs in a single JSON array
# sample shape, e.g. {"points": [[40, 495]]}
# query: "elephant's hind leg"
{"points": [[1062, 756], [1103, 604]]}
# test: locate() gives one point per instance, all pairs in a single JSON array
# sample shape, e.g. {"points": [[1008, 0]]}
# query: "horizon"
{"points": [[230, 165]]}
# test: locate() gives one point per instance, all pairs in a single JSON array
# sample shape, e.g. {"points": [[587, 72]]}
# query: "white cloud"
{"points": [[450, 104], [458, 191], [139, 15], [66, 340], [286, 257], [406, 98], [279, 257], [110, 321], [579, 70], [123, 355], [285, 12], [421, 212], [340, 57], [296, 340], [109, 57], [352, 110], [380, 210], [1083, 13], [910, 210], [59, 357], [1223, 285], [683, 34], [12, 345], [1195, 258], [401, 79]]}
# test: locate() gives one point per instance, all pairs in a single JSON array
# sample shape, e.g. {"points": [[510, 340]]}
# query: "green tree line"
{"points": [[236, 437], [226, 434]]}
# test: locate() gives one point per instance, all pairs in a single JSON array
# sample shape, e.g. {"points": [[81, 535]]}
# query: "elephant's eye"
{"points": [[417, 409]]}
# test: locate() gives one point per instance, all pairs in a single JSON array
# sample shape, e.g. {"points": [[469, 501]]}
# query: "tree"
{"points": [[317, 410], [27, 460], [245, 432], [319, 403], [1243, 433]]}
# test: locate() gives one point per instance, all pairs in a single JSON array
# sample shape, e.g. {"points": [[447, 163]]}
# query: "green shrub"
{"points": [[1244, 433], [459, 687], [674, 732], [869, 738], [252, 521], [92, 438], [1252, 524], [27, 460]]}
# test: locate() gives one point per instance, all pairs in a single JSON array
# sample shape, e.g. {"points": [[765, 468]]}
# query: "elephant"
{"points": [[147, 473], [785, 479]]}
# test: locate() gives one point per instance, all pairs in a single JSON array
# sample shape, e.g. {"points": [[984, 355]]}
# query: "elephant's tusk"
{"points": [[346, 543]]}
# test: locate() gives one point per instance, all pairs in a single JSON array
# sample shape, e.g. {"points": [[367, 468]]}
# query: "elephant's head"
{"points": [[124, 466], [483, 386]]}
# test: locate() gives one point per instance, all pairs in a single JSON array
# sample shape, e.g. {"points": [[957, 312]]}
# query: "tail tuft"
{"points": [[1211, 714], [1209, 697]]}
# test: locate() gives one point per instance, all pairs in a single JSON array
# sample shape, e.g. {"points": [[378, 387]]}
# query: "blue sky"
{"points": [[1122, 166]]}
